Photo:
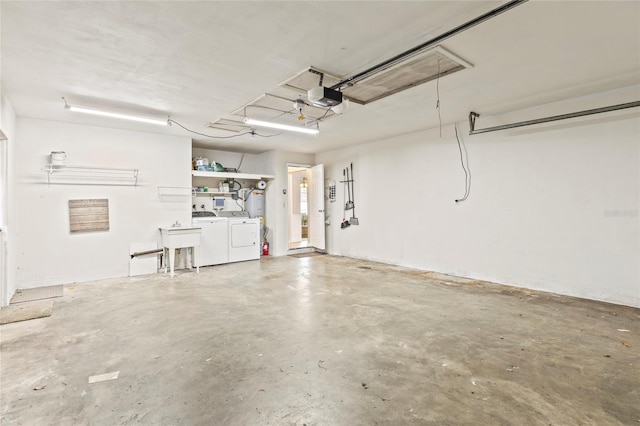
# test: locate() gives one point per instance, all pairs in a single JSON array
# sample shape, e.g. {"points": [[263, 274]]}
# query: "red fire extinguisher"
{"points": [[265, 248]]}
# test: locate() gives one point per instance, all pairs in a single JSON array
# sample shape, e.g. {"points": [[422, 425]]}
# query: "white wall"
{"points": [[552, 207], [48, 253], [7, 204]]}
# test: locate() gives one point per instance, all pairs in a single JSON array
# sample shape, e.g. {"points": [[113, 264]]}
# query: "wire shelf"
{"points": [[84, 175]]}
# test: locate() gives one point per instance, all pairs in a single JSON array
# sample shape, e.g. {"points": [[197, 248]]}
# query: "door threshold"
{"points": [[301, 250]]}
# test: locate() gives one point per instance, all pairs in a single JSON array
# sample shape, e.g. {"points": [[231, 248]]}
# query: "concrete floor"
{"points": [[321, 341]]}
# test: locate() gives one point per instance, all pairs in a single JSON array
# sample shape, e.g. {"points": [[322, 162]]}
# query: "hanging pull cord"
{"points": [[467, 170]]}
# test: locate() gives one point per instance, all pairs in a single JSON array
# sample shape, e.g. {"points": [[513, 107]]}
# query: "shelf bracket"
{"points": [[472, 120]]}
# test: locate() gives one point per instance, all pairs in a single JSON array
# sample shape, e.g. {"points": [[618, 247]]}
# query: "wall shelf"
{"points": [[212, 193], [83, 175], [169, 192], [228, 175]]}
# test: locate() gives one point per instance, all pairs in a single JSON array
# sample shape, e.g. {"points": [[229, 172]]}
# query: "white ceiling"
{"points": [[200, 61]]}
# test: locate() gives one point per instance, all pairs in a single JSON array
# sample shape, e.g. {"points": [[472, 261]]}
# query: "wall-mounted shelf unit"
{"points": [[171, 192], [216, 181], [83, 175], [227, 175], [212, 193]]}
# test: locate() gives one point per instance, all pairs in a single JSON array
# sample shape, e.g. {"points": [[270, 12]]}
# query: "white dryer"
{"points": [[244, 239]]}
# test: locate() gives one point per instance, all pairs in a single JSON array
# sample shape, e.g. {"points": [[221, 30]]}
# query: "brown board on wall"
{"points": [[89, 215]]}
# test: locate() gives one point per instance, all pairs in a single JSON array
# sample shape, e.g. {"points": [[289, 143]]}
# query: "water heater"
{"points": [[254, 203]]}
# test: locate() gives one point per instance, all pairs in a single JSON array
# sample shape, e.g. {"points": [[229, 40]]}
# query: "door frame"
{"points": [[289, 198], [308, 168]]}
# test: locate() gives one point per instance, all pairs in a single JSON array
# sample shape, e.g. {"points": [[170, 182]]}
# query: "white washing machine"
{"points": [[214, 237], [244, 239]]}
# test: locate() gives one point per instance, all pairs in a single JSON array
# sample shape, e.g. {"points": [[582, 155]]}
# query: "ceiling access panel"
{"points": [[419, 68]]}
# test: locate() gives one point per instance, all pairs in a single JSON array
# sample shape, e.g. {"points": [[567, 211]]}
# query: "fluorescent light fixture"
{"points": [[251, 121], [116, 115]]}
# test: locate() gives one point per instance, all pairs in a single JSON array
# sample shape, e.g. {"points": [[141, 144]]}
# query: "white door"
{"points": [[316, 207]]}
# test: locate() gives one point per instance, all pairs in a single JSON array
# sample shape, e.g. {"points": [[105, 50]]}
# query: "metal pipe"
{"points": [[473, 115], [439, 39], [142, 253]]}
